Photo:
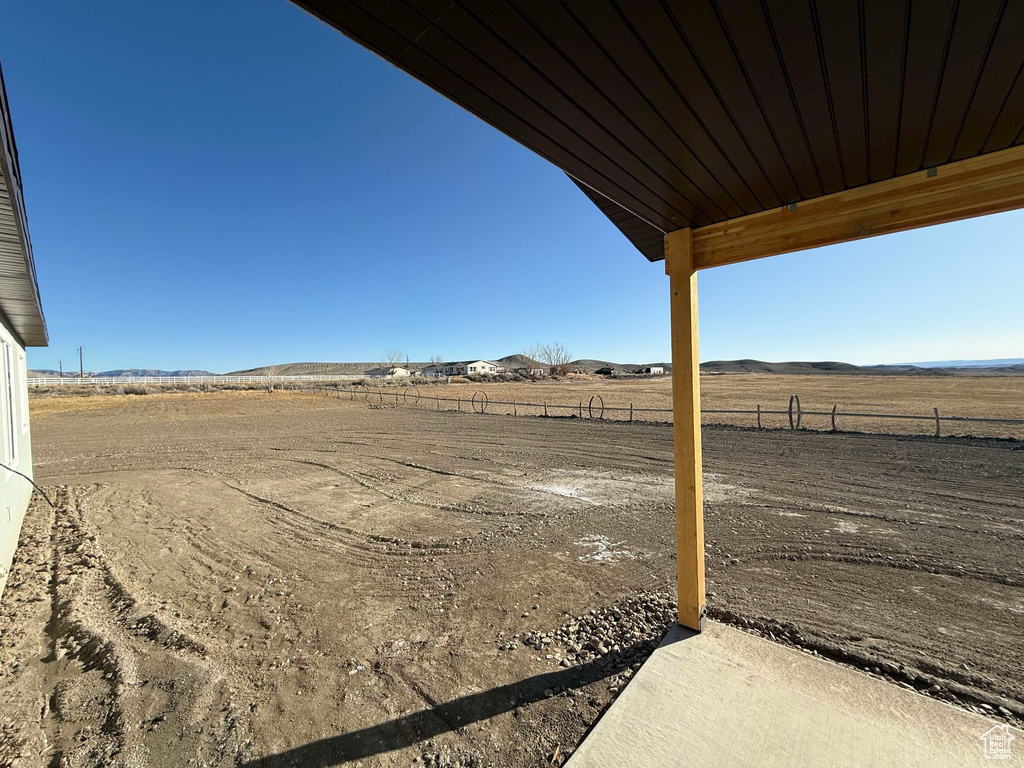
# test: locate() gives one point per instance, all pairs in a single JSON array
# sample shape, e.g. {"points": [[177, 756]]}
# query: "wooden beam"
{"points": [[686, 428], [977, 186]]}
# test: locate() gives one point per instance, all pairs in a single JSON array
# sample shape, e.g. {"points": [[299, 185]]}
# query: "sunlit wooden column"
{"points": [[686, 427]]}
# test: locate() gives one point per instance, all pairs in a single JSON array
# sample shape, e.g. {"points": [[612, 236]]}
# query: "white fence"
{"points": [[74, 381]]}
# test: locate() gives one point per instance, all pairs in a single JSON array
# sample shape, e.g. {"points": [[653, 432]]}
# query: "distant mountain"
{"points": [[318, 369], [596, 365], [590, 365], [151, 372], [760, 366], [48, 372], [966, 363]]}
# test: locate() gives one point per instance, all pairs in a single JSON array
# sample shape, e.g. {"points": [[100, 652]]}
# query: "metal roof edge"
{"points": [[11, 170]]}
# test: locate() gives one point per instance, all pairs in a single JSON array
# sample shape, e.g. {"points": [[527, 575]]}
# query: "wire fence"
{"points": [[595, 408]]}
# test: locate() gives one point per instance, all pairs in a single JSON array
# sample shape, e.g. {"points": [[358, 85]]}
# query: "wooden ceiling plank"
{"points": [[885, 32], [840, 27], [564, 121], [792, 25], [775, 122], [1010, 123], [667, 117], [691, 176], [972, 36], [1002, 68], [930, 23], [767, 176], [591, 107], [363, 27]]}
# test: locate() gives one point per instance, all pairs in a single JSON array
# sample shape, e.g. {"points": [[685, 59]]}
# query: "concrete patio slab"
{"points": [[729, 698]]}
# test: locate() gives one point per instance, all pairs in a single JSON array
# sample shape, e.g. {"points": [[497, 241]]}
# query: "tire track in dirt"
{"points": [[107, 649]]}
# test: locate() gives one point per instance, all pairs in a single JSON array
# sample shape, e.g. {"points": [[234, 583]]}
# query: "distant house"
{"points": [[531, 371], [388, 372], [651, 370], [470, 368], [433, 371]]}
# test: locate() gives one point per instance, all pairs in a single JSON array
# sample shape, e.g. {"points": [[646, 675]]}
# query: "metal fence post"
{"points": [[630, 413], [758, 415], [834, 428], [937, 429]]}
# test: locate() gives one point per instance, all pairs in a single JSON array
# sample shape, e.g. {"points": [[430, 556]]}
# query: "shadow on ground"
{"points": [[410, 729]]}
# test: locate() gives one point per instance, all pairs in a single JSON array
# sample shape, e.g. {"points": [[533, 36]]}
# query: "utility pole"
{"points": [[81, 366], [61, 364]]}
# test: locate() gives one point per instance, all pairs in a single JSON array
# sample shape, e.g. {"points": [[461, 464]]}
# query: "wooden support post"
{"points": [[630, 413], [686, 428], [758, 415], [938, 428]]}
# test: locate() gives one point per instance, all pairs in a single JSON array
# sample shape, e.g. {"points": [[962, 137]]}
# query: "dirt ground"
{"points": [[289, 580]]}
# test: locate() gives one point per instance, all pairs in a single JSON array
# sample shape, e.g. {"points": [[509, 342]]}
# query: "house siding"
{"points": [[15, 491]]}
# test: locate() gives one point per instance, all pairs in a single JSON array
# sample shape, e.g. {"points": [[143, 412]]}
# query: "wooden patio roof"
{"points": [[690, 113]]}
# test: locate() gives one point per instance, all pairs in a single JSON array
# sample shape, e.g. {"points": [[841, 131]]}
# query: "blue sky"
{"points": [[230, 184]]}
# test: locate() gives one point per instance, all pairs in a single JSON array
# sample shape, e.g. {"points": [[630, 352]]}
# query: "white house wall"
{"points": [[15, 491]]}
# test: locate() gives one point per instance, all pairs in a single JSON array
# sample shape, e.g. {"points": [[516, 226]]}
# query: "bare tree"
{"points": [[436, 359], [270, 372], [392, 359], [533, 353], [555, 356]]}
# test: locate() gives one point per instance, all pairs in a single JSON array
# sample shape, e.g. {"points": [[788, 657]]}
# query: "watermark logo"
{"points": [[997, 742]]}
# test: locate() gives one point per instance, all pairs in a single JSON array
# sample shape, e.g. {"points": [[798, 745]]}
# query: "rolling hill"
{"points": [[760, 366]]}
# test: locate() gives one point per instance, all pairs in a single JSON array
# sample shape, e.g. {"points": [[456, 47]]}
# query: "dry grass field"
{"points": [[971, 396], [285, 579], [978, 396]]}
